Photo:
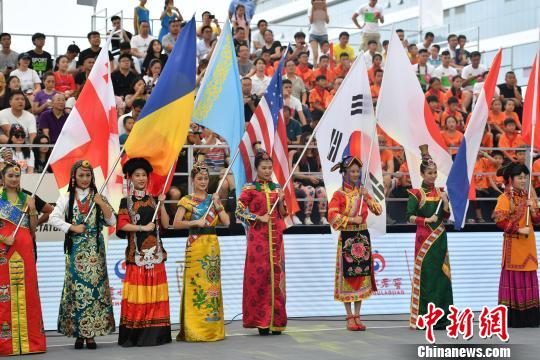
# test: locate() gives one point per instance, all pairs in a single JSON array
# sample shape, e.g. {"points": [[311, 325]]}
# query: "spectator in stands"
{"points": [[510, 139], [269, 70], [169, 12], [336, 85], [258, 38], [509, 107], [204, 45], [170, 39], [93, 51], [127, 123], [140, 14], [521, 154], [412, 53], [82, 75], [472, 72], [209, 20], [372, 15], [479, 85], [63, 80], [428, 41], [241, 20], [344, 65], [323, 69], [123, 78], [462, 55], [434, 89], [43, 98], [434, 107], [299, 46], [152, 75], [293, 102], [41, 61], [376, 86], [52, 121], [239, 38], [452, 47], [445, 72], [298, 87], [452, 110], [201, 70], [371, 51], [30, 81], [401, 35], [318, 33], [273, 47], [249, 5], [141, 42], [125, 48], [14, 85], [71, 53], [318, 95], [343, 47], [294, 129], [8, 57], [119, 35], [21, 155], [484, 181], [452, 137], [536, 176], [214, 156], [496, 118], [259, 81], [303, 70], [2, 87], [16, 114], [423, 69], [138, 91], [154, 51], [41, 154], [325, 50], [376, 65], [510, 90], [387, 163], [250, 100], [245, 65], [464, 97], [434, 58], [136, 109]]}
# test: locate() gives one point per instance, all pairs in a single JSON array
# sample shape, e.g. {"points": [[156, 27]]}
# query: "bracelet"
{"points": [[34, 213], [219, 209], [140, 228]]}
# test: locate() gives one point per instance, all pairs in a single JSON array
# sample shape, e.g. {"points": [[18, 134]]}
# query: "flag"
{"points": [[91, 132], [162, 128], [220, 97], [348, 127], [531, 107], [403, 113], [268, 127], [460, 179], [431, 14]]}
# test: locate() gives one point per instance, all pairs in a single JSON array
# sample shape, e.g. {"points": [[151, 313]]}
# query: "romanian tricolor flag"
{"points": [[162, 128]]}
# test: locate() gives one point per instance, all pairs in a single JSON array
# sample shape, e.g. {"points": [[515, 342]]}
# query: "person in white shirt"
{"points": [[30, 81], [21, 155], [140, 42], [479, 85], [292, 101], [472, 72], [204, 45], [423, 69], [259, 81], [372, 15], [16, 114], [444, 71], [428, 41], [368, 55], [452, 46], [318, 33]]}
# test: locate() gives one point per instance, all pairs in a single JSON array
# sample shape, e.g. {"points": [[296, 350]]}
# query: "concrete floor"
{"points": [[387, 337]]}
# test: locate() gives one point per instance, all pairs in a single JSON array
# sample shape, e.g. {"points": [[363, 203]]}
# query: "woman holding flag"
{"points": [[348, 211], [21, 322], [201, 312], [263, 304], [86, 307], [145, 318], [518, 287], [428, 207]]}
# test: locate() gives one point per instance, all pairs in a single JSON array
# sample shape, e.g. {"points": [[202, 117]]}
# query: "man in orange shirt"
{"points": [[323, 69], [269, 70], [344, 65], [303, 70], [318, 95], [331, 93], [376, 87], [377, 61], [510, 139]]}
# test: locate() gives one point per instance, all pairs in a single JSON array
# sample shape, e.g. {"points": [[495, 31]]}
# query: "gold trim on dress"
{"points": [[19, 321]]}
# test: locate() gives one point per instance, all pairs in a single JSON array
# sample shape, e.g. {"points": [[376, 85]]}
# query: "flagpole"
{"points": [[105, 183], [533, 130], [163, 192], [367, 165]]}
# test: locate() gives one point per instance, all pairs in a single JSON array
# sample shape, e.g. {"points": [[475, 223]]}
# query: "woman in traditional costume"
{"points": [[518, 286], [263, 303], [145, 314], [347, 213], [201, 311], [427, 208], [21, 322], [85, 307]]}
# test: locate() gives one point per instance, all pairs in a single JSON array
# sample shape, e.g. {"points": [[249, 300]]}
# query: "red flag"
{"points": [[532, 102]]}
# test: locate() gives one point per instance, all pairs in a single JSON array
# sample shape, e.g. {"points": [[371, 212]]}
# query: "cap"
{"points": [[24, 56]]}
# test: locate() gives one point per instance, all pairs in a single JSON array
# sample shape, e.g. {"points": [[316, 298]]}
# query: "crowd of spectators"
{"points": [[37, 93]]}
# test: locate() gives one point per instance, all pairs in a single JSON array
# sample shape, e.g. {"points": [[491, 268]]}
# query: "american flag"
{"points": [[267, 126]]}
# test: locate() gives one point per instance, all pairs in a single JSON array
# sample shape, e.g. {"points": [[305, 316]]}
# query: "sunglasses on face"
{"points": [[19, 136]]}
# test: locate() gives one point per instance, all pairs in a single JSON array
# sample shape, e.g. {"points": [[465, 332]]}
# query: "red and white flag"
{"points": [[531, 107], [91, 131], [403, 113]]}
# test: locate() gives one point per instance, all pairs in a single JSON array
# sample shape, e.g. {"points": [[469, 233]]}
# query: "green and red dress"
{"points": [[431, 280]]}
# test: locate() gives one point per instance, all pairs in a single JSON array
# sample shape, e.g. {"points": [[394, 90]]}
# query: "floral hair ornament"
{"points": [[346, 163], [199, 167], [427, 160], [13, 165]]}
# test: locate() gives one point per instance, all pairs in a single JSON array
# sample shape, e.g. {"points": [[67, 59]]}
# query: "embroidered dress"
{"points": [[263, 302], [432, 281], [85, 307], [354, 278], [201, 311], [518, 287], [145, 313], [21, 323]]}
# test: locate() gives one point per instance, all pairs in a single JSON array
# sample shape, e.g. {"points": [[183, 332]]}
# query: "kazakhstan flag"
{"points": [[219, 105]]}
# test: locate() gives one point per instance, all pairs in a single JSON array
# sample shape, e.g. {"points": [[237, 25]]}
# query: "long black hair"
{"points": [[37, 141], [17, 129], [510, 171]]}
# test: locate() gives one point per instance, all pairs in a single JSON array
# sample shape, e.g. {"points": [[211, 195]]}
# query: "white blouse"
{"points": [[58, 216]]}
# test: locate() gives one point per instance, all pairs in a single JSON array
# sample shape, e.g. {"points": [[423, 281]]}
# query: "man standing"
{"points": [[41, 60], [204, 45], [119, 34], [428, 40], [52, 121], [8, 57], [93, 51], [372, 15], [170, 39]]}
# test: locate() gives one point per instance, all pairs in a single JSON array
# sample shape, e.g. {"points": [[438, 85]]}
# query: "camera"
{"points": [[211, 17]]}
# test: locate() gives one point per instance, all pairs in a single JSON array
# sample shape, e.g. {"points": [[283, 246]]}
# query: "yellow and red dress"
{"points": [[21, 322], [263, 304], [354, 279]]}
